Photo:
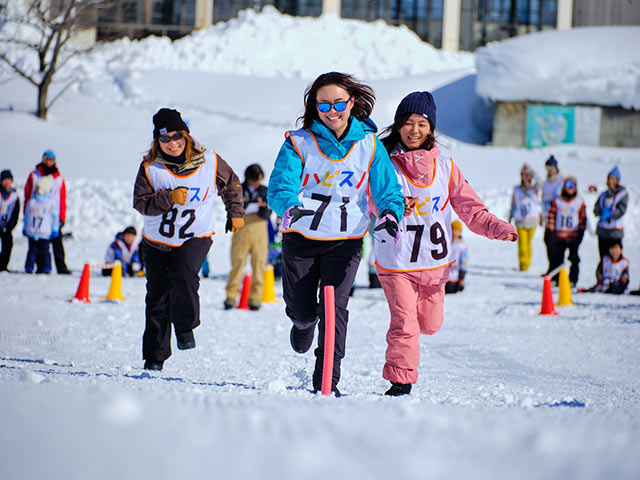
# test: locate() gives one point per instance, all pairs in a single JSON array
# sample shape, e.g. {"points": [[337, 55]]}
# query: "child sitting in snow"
{"points": [[612, 273], [41, 224], [124, 248], [458, 270]]}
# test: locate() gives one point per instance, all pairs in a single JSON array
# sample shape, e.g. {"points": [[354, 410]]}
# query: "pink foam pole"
{"points": [[329, 338]]}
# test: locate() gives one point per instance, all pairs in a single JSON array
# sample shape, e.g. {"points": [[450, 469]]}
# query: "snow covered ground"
{"points": [[503, 392]]}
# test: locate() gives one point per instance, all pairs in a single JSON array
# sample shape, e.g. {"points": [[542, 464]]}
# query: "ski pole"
{"points": [[329, 338]]}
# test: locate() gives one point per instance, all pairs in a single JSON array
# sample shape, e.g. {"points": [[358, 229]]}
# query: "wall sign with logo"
{"points": [[556, 124]]}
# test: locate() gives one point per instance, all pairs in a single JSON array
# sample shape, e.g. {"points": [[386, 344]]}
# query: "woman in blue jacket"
{"points": [[319, 186]]}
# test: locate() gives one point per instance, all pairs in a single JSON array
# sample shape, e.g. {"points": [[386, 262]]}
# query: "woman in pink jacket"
{"points": [[413, 267]]}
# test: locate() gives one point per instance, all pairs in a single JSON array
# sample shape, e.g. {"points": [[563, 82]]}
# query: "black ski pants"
{"points": [[172, 294], [58, 253], [558, 250], [7, 246], [311, 264]]}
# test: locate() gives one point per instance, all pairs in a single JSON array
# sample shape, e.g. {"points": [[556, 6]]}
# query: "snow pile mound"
{"points": [[592, 65], [270, 44]]}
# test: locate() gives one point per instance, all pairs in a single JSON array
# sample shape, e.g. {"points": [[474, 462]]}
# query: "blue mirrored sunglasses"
{"points": [[166, 138], [338, 106], [570, 185]]}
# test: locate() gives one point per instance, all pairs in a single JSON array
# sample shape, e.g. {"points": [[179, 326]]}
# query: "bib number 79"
{"points": [[437, 237]]}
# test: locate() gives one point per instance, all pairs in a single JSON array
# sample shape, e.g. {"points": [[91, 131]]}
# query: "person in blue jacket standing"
{"points": [[319, 186]]}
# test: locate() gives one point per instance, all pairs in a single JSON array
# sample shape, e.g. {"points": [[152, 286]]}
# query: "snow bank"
{"points": [[270, 44], [593, 65]]}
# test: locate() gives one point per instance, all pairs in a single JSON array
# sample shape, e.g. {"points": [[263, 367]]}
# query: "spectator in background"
{"points": [[252, 239], [611, 207], [9, 212], [525, 210], [41, 224], [550, 190], [459, 268], [567, 221], [125, 249], [275, 245], [612, 274], [59, 194]]}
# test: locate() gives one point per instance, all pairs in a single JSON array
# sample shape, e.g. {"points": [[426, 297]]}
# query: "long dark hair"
{"points": [[362, 94], [390, 136]]}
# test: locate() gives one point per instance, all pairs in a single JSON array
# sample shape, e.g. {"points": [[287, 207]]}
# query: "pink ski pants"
{"points": [[415, 308]]}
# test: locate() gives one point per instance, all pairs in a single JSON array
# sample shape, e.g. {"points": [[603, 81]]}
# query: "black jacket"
{"points": [[250, 197]]}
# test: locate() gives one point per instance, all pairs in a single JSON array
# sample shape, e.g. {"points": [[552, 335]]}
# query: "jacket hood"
{"points": [[418, 165]]}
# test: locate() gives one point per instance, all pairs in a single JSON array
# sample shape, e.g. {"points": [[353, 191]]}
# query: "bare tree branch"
{"points": [[17, 69]]}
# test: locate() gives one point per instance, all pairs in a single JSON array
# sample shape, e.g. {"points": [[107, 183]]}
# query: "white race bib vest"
{"points": [[567, 214], [336, 190], [56, 186], [39, 217], [194, 218], [425, 242], [549, 192], [525, 204], [6, 208], [611, 203], [613, 270], [459, 248]]}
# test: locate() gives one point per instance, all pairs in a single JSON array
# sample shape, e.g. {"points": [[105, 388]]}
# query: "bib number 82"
{"points": [[168, 224]]}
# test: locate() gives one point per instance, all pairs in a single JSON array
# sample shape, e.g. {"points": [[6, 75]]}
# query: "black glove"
{"points": [[389, 222], [293, 214]]}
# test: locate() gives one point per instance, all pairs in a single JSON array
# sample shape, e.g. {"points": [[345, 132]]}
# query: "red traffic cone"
{"points": [[244, 296], [82, 295], [547, 308]]}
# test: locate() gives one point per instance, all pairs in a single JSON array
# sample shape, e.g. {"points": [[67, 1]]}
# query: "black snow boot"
{"points": [[149, 365], [334, 390], [185, 340], [301, 340], [398, 389]]}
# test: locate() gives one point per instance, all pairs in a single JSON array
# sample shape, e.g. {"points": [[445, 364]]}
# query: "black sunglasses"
{"points": [[166, 138]]}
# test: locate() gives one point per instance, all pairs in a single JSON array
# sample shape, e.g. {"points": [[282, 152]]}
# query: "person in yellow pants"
{"points": [[251, 239], [525, 210]]}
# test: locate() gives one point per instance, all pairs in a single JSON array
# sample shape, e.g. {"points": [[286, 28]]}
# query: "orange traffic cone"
{"points": [[244, 296], [548, 307], [82, 295]]}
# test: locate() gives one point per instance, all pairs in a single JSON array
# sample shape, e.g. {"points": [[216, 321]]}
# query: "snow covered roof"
{"points": [[592, 65]]}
